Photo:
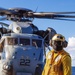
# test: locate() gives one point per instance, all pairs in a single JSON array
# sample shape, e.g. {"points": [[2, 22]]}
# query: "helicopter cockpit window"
{"points": [[36, 43], [24, 41], [12, 41]]}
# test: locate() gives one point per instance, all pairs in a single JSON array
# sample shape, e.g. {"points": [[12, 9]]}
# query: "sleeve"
{"points": [[43, 72], [66, 62]]}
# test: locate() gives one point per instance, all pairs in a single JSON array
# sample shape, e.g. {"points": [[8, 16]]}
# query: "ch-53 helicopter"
{"points": [[22, 45]]}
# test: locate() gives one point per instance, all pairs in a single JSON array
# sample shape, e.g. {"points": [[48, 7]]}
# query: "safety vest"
{"points": [[54, 64]]}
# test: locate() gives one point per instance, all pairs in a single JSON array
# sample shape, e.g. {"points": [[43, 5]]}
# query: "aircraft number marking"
{"points": [[25, 62]]}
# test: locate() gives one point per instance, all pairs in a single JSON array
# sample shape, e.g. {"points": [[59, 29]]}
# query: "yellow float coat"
{"points": [[57, 63]]}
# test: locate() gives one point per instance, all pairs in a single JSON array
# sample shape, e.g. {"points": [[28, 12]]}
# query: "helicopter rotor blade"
{"points": [[3, 18], [48, 15], [64, 19], [53, 13], [4, 24], [6, 12], [23, 13]]}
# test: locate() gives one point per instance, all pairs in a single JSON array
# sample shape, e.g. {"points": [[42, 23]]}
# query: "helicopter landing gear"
{"points": [[38, 70]]}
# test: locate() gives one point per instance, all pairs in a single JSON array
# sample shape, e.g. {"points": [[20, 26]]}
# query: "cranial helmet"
{"points": [[59, 37]]}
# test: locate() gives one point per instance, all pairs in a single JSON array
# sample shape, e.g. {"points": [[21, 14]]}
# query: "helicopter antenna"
{"points": [[35, 11]]}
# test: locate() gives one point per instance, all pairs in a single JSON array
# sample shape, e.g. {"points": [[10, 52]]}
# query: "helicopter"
{"points": [[22, 44]]}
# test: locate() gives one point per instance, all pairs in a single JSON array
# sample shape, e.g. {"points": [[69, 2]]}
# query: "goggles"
{"points": [[57, 43]]}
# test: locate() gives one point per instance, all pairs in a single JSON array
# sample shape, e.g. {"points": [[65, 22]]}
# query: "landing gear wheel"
{"points": [[38, 71]]}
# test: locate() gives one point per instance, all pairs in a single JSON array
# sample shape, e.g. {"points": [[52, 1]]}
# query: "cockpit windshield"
{"points": [[36, 43], [12, 41], [24, 41]]}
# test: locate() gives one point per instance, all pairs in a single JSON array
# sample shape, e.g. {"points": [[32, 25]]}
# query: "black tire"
{"points": [[38, 71]]}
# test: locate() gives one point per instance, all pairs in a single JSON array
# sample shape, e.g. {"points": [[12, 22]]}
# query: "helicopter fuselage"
{"points": [[21, 54]]}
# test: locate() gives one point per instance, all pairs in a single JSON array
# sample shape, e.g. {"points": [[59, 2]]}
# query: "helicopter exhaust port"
{"points": [[47, 35]]}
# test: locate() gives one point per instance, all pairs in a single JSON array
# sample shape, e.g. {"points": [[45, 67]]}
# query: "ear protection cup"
{"points": [[65, 43]]}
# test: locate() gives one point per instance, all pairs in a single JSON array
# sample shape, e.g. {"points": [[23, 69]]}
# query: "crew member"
{"points": [[58, 61]]}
